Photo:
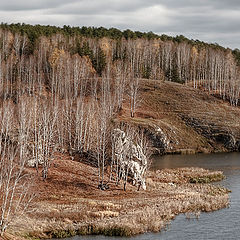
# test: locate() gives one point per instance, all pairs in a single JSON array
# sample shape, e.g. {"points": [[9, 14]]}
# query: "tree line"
{"points": [[178, 59]]}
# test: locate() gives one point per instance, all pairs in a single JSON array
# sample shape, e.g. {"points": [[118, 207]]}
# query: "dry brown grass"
{"points": [[78, 207]]}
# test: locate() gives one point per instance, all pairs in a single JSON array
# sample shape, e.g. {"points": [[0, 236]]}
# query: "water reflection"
{"points": [[211, 161]]}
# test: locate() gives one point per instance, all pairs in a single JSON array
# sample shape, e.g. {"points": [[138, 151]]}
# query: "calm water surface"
{"points": [[223, 224]]}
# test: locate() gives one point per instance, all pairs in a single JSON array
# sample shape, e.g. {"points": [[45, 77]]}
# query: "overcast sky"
{"points": [[207, 20]]}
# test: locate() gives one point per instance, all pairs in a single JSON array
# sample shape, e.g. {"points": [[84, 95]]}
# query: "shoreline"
{"points": [[115, 212]]}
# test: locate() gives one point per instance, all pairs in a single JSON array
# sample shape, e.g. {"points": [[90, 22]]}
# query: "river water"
{"points": [[220, 225]]}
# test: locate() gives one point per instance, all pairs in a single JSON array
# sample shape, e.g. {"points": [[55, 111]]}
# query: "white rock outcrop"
{"points": [[130, 158], [164, 139]]}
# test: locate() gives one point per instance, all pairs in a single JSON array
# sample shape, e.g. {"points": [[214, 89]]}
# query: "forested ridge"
{"points": [[148, 55], [61, 90]]}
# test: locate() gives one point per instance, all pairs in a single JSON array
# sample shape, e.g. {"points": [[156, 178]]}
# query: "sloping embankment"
{"points": [[181, 119]]}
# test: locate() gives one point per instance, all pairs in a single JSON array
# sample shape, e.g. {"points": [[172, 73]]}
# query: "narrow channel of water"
{"points": [[220, 225]]}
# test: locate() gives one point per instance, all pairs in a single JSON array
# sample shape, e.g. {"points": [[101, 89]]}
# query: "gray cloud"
{"points": [[95, 6], [216, 4], [208, 20], [15, 5]]}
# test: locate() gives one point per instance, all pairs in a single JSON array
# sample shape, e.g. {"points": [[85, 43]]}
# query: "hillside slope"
{"points": [[182, 119]]}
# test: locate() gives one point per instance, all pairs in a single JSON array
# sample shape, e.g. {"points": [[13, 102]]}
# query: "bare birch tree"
{"points": [[15, 183], [134, 95]]}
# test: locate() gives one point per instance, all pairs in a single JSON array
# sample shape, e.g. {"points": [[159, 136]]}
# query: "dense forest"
{"points": [[61, 89], [145, 55]]}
